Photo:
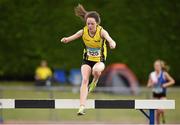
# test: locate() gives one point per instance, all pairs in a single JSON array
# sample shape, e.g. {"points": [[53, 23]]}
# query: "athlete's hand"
{"points": [[164, 86], [112, 45], [64, 40]]}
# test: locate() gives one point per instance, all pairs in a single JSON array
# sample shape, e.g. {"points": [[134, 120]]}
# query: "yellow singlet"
{"points": [[95, 47]]}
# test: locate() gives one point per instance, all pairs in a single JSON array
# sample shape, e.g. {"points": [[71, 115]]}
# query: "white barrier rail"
{"points": [[151, 105]]}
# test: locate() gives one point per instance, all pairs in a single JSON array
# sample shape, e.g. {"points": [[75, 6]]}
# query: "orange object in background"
{"points": [[120, 77]]}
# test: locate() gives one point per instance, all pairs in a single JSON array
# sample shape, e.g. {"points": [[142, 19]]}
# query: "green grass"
{"points": [[52, 115]]}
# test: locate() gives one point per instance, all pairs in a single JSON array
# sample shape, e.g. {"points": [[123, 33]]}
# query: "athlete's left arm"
{"points": [[72, 37], [105, 35], [170, 80]]}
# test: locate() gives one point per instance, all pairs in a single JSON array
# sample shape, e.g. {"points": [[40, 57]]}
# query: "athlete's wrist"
{"points": [[164, 85]]}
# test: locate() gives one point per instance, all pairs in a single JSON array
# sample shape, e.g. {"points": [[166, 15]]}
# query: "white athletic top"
{"points": [[157, 88]]}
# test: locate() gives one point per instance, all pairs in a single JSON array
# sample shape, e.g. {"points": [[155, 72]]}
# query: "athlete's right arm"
{"points": [[150, 82], [73, 37]]}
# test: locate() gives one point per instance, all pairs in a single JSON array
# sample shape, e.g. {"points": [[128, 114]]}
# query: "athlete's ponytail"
{"points": [[164, 66], [80, 11], [83, 14]]}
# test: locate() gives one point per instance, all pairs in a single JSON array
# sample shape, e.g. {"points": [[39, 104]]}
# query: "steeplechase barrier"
{"points": [[141, 105]]}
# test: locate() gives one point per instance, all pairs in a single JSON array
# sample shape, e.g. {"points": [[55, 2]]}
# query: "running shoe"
{"points": [[81, 110], [92, 87]]}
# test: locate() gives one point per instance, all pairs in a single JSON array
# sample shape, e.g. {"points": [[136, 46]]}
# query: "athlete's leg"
{"points": [[157, 114], [162, 112], [86, 72], [96, 71]]}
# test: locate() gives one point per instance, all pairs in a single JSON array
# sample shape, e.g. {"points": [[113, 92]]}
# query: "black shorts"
{"points": [[89, 63], [159, 95]]}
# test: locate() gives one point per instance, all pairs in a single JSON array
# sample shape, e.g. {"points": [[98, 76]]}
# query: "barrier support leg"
{"points": [[151, 116]]}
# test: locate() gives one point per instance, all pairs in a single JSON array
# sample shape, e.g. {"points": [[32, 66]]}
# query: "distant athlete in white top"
{"points": [[159, 80]]}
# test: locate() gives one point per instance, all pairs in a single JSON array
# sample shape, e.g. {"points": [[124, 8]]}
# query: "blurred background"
{"points": [[35, 65]]}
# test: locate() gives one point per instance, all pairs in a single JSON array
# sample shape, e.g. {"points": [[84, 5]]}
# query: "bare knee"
{"points": [[96, 73], [159, 112], [85, 81]]}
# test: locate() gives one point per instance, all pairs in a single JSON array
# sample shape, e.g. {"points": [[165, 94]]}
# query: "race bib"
{"points": [[94, 52], [157, 88]]}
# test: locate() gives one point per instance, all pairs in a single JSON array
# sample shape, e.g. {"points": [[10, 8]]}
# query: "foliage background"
{"points": [[30, 30]]}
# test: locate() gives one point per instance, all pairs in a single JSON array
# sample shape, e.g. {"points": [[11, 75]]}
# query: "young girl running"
{"points": [[160, 80], [95, 51]]}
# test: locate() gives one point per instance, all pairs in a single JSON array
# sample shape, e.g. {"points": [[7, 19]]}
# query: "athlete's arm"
{"points": [[73, 37], [150, 83], [105, 35], [170, 80]]}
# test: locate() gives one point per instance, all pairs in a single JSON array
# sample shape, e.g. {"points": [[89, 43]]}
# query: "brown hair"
{"points": [[83, 14], [164, 66]]}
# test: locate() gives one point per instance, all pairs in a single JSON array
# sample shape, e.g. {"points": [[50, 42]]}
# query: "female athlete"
{"points": [[95, 51], [160, 80]]}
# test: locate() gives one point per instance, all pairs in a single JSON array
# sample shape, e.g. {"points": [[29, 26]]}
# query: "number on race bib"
{"points": [[94, 52]]}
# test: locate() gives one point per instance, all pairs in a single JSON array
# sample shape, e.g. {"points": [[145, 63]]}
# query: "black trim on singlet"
{"points": [[102, 58], [85, 56]]}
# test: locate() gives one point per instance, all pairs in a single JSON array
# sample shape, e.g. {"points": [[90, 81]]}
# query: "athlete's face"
{"points": [[43, 63], [91, 24], [157, 66]]}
